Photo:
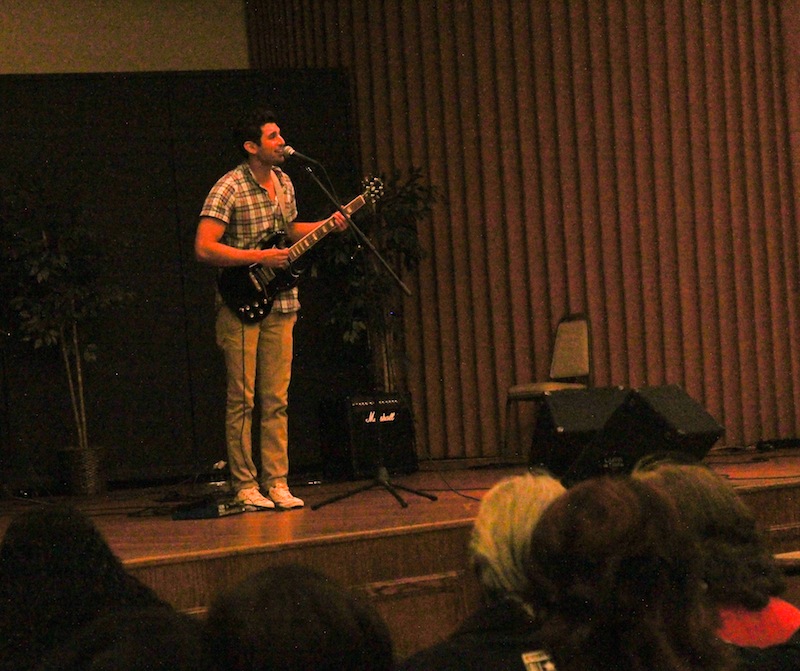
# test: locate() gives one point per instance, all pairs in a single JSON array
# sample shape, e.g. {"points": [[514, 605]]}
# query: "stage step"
{"points": [[790, 563]]}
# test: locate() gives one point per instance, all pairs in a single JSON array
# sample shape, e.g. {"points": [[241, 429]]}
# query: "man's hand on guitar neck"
{"points": [[339, 221]]}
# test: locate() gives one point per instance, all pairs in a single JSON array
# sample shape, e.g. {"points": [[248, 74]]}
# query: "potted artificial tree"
{"points": [[52, 279], [366, 308], [369, 311]]}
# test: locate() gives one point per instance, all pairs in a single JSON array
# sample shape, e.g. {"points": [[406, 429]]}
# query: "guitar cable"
{"points": [[244, 401]]}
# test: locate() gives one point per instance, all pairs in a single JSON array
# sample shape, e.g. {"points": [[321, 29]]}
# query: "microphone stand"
{"points": [[359, 233], [382, 476]]}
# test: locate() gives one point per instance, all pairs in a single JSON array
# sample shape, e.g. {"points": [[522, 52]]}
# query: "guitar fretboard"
{"points": [[308, 241]]}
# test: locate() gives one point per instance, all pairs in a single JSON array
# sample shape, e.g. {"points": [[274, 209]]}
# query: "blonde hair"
{"points": [[501, 535]]}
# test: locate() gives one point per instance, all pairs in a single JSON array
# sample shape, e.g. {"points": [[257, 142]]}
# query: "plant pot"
{"points": [[82, 470]]}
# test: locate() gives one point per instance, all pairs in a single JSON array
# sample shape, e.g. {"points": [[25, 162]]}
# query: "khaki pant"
{"points": [[258, 359]]}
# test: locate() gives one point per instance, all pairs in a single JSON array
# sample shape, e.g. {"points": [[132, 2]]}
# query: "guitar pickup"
{"points": [[256, 284]]}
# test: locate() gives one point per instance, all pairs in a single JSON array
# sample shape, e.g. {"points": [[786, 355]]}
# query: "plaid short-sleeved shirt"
{"points": [[249, 215]]}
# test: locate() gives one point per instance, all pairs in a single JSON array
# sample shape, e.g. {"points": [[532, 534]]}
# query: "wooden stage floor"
{"points": [[411, 561], [139, 526]]}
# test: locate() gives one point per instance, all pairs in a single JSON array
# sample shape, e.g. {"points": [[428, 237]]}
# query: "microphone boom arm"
{"points": [[359, 233]]}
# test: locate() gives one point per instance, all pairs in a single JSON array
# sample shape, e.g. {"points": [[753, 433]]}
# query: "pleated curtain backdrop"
{"points": [[635, 160]]}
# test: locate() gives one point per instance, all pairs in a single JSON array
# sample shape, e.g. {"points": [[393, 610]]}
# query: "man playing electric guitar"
{"points": [[245, 206]]}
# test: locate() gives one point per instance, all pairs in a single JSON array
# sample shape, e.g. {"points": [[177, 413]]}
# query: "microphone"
{"points": [[291, 151]]}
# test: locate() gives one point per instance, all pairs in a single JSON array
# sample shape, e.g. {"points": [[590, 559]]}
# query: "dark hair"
{"points": [[618, 582], [155, 639], [738, 564], [248, 127], [291, 617], [57, 573]]}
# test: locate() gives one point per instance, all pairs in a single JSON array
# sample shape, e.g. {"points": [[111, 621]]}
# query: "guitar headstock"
{"points": [[373, 189]]}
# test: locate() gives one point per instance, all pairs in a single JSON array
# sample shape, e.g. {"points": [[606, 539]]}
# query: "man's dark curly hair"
{"points": [[249, 125]]}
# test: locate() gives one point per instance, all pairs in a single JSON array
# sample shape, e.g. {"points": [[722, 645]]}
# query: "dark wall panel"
{"points": [[140, 151]]}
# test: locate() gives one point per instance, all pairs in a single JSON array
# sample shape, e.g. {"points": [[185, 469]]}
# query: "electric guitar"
{"points": [[250, 290]]}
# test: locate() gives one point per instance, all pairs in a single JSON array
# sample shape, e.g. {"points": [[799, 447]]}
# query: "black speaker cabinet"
{"points": [[650, 420], [362, 433], [567, 420]]}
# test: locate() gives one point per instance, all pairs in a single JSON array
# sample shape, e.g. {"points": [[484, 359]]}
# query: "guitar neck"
{"points": [[310, 239]]}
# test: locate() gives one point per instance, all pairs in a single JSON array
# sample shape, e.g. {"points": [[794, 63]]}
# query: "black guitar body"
{"points": [[250, 290]]}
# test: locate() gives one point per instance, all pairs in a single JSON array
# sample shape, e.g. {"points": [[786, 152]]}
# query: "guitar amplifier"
{"points": [[359, 434]]}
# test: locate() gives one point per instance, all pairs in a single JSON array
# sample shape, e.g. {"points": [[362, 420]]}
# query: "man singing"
{"points": [[244, 207]]}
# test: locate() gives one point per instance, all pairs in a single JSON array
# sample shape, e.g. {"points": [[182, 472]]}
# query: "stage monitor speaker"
{"points": [[567, 420], [362, 433], [651, 420]]}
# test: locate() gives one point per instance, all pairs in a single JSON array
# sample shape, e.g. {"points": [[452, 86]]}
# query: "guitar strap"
{"points": [[280, 195]]}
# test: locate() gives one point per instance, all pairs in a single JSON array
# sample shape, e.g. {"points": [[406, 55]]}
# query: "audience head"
{"points": [[617, 581], [737, 563], [501, 535], [56, 574], [155, 639], [291, 617]]}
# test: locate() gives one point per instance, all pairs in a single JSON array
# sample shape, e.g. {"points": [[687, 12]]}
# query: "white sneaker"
{"points": [[253, 500], [283, 498]]}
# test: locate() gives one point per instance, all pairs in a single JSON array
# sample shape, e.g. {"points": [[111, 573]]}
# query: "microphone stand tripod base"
{"points": [[381, 480]]}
